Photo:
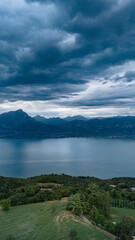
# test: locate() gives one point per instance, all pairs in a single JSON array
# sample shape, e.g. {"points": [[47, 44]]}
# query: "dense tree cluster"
{"points": [[126, 228], [93, 202]]}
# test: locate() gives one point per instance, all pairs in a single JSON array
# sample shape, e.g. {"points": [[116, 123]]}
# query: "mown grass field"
{"points": [[45, 221], [119, 213]]}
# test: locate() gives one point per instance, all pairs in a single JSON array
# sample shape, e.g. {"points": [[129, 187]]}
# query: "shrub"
{"points": [[5, 204], [10, 237], [73, 234]]}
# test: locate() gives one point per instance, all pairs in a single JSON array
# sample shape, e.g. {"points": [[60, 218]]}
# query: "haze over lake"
{"points": [[103, 158]]}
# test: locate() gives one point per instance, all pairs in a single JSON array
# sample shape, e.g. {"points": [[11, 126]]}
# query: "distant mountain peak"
{"points": [[77, 117], [50, 121], [19, 110], [14, 118]]}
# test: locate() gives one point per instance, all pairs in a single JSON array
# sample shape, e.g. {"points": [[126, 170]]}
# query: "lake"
{"points": [[103, 158]]}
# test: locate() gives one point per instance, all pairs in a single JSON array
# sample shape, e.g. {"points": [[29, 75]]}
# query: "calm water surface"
{"points": [[103, 158]]}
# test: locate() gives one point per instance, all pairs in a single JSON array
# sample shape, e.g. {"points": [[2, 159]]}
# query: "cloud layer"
{"points": [[68, 57]]}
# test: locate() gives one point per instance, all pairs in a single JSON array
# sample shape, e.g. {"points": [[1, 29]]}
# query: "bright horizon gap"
{"points": [[66, 112]]}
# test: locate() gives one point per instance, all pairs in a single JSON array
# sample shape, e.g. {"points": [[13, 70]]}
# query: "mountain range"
{"points": [[18, 124], [59, 121]]}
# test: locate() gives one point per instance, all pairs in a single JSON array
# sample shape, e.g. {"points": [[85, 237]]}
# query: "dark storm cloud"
{"points": [[53, 49], [87, 7]]}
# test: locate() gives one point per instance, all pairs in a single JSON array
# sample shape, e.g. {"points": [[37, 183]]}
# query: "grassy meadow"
{"points": [[118, 213], [45, 221]]}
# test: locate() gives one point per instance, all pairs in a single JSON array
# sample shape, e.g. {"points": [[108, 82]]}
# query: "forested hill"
{"points": [[64, 186], [18, 124]]}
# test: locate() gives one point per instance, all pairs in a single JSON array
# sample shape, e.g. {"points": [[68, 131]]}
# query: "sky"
{"points": [[61, 58]]}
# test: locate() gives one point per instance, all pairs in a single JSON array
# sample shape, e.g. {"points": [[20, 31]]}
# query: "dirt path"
{"points": [[64, 199], [85, 220], [98, 228]]}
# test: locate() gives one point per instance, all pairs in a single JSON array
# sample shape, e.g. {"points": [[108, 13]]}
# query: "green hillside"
{"points": [[45, 221]]}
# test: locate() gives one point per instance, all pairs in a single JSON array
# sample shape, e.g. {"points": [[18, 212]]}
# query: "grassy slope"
{"points": [[119, 213], [45, 221]]}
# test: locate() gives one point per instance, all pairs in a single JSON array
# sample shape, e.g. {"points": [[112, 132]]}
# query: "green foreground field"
{"points": [[45, 221], [118, 213]]}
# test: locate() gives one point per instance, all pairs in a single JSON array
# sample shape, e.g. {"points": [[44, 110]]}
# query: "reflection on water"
{"points": [[103, 158]]}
